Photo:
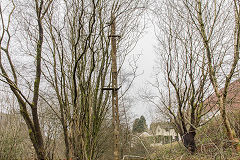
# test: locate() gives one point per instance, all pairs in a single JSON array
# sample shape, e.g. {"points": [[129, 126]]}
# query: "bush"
{"points": [[14, 142], [212, 139], [10, 144]]}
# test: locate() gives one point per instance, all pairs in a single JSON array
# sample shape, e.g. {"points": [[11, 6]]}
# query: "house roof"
{"points": [[163, 125], [233, 98]]}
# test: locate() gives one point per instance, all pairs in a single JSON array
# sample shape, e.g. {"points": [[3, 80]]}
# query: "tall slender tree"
{"points": [[181, 62], [220, 48], [28, 105], [80, 66]]}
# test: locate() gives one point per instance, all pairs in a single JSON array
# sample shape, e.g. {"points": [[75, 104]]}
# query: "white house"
{"points": [[160, 133], [163, 133]]}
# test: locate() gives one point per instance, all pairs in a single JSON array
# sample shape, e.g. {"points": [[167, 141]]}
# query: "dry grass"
{"points": [[211, 141], [177, 151]]}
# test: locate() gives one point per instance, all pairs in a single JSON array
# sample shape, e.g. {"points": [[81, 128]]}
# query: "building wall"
{"points": [[165, 132], [164, 136]]}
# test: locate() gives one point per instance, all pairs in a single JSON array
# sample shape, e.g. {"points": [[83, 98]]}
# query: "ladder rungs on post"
{"points": [[108, 89], [118, 36]]}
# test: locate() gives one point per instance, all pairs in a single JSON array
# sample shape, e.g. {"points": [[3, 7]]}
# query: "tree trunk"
{"points": [[226, 123], [66, 138], [40, 153], [189, 140]]}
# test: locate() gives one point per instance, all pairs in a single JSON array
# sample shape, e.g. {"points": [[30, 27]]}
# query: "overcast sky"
{"points": [[144, 47]]}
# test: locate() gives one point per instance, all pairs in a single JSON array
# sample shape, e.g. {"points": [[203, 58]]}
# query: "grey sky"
{"points": [[144, 47]]}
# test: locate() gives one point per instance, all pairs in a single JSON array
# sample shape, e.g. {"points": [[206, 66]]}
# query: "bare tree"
{"points": [[214, 38], [11, 77], [182, 66], [217, 23], [75, 64], [79, 67]]}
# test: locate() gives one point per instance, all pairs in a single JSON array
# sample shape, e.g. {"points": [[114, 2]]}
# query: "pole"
{"points": [[115, 113]]}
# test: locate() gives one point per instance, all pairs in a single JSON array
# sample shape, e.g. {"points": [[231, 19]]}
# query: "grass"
{"points": [[176, 151], [211, 140]]}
